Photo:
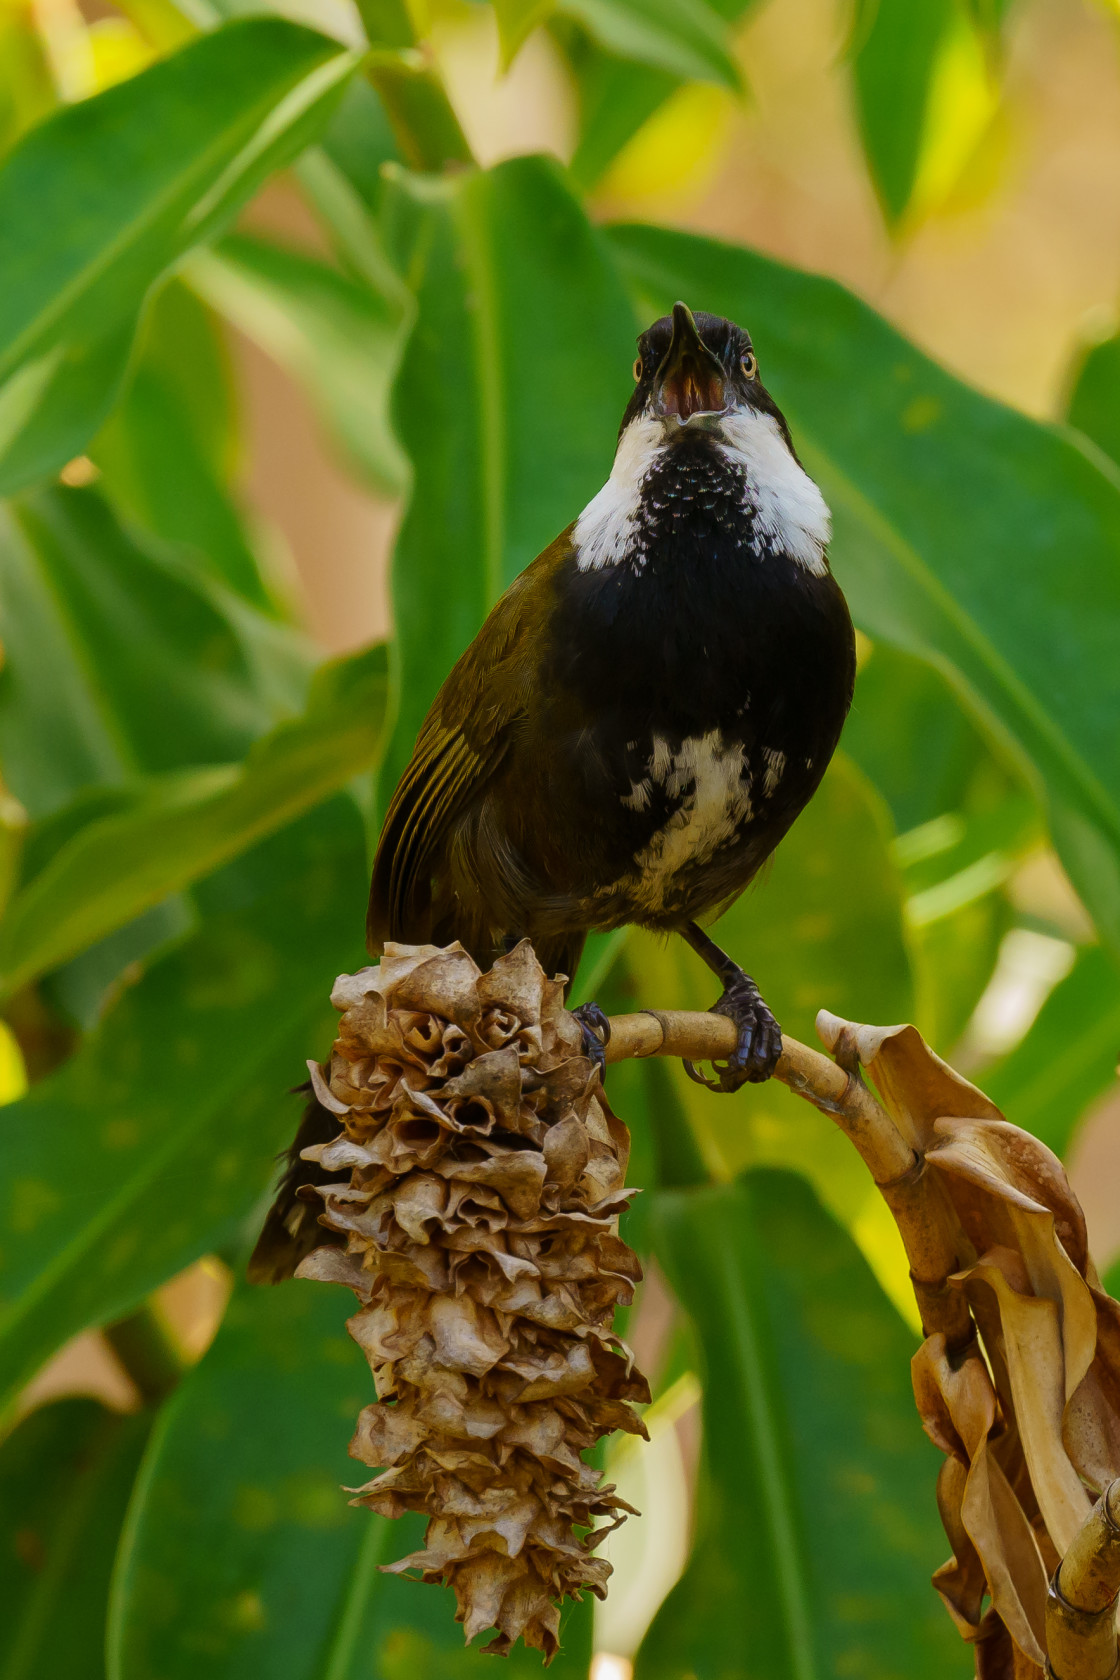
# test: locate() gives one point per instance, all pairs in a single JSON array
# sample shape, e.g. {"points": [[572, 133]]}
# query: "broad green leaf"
{"points": [[151, 1145], [241, 1552], [963, 824], [957, 858], [354, 232], [122, 656], [341, 340], [1094, 405], [941, 497], [516, 21], [615, 100], [66, 1474], [185, 825], [821, 928], [615, 96], [685, 39], [85, 987], [892, 67], [359, 140], [97, 202], [242, 1556], [954, 959], [508, 402], [388, 22], [818, 1525], [1069, 1056], [167, 453], [899, 701], [688, 38]]}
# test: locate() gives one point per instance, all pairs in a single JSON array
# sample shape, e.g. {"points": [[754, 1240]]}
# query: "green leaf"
{"points": [[511, 427], [821, 929], [97, 202], [1094, 406], [425, 128], [359, 140], [616, 96], [340, 339], [964, 824], [122, 657], [893, 66], [516, 21], [615, 100], [954, 959], [688, 38], [1068, 1058], [151, 1145], [186, 825], [818, 1524], [167, 453], [959, 857], [66, 1474], [241, 1552], [242, 1555], [941, 497], [387, 22], [900, 700]]}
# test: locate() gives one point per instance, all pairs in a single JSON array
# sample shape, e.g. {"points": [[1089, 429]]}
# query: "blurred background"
{"points": [[956, 165]]}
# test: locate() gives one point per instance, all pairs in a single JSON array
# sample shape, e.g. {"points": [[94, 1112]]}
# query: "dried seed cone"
{"points": [[481, 1179]]}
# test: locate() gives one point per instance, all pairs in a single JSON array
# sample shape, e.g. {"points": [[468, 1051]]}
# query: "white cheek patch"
{"points": [[604, 531], [789, 511]]}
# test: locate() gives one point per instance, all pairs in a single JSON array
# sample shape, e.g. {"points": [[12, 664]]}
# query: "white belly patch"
{"points": [[710, 778]]}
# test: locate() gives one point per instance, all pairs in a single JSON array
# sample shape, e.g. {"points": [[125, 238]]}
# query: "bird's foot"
{"points": [[596, 1030], [760, 1039]]}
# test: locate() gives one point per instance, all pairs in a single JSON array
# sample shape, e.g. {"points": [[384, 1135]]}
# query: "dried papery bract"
{"points": [[1018, 1379], [475, 1215], [1022, 1391]]}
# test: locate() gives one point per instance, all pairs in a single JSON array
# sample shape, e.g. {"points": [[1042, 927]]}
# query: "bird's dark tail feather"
{"points": [[292, 1228]]}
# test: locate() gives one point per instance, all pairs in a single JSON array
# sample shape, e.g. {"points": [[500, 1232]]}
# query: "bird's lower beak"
{"points": [[690, 379]]}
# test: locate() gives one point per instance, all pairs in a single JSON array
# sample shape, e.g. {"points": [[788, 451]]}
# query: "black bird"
{"points": [[640, 719]]}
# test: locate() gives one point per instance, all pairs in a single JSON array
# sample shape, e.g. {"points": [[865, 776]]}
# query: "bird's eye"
{"points": [[749, 364], [637, 368]]}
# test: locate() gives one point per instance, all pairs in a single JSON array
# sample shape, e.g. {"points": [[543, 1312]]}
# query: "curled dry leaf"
{"points": [[1022, 1392], [481, 1176]]}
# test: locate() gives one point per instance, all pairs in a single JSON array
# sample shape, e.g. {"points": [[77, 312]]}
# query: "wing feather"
{"points": [[459, 750]]}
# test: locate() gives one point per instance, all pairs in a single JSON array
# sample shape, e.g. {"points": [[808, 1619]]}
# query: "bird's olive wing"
{"points": [[459, 749]]}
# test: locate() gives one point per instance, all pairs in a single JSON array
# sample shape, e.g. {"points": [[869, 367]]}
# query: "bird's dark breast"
{"points": [[694, 696]]}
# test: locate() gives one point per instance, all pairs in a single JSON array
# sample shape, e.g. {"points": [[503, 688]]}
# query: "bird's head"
{"points": [[693, 373], [700, 405]]}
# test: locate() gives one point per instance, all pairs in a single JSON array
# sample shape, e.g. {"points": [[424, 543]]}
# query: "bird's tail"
{"points": [[291, 1229]]}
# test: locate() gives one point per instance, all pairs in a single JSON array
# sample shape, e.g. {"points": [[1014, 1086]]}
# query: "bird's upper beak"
{"points": [[690, 380]]}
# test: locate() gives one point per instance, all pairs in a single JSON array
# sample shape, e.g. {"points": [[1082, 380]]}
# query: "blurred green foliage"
{"points": [[187, 809]]}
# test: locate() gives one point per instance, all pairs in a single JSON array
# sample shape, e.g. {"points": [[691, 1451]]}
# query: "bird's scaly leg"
{"points": [[760, 1036], [596, 1029]]}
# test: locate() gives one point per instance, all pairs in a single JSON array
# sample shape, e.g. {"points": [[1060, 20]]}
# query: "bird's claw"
{"points": [[760, 1040], [596, 1029]]}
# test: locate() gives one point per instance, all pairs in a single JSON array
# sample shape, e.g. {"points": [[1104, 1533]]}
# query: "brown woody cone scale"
{"points": [[481, 1177]]}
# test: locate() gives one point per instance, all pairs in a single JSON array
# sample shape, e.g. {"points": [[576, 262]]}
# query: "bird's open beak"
{"points": [[690, 379]]}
